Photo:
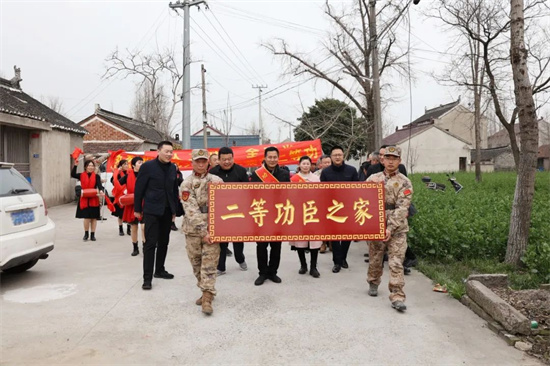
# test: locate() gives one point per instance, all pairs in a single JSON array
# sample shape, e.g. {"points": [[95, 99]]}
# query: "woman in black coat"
{"points": [[88, 207]]}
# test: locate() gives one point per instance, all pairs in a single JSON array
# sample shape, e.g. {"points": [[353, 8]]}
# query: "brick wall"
{"points": [[99, 131]]}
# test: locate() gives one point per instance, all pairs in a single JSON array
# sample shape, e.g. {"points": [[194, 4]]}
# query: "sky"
{"points": [[61, 47]]}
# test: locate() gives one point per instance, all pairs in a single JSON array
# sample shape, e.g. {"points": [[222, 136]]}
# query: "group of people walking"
{"points": [[157, 194]]}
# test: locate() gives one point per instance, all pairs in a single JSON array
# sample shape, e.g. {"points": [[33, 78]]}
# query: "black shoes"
{"points": [[165, 275], [314, 272], [345, 264], [303, 270], [92, 236], [136, 250], [174, 227], [146, 285], [85, 238], [260, 280], [406, 270], [275, 278], [128, 230], [229, 253], [120, 231], [336, 268]]}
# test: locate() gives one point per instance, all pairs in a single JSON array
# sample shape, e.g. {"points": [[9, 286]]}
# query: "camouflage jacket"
{"points": [[398, 191], [194, 197]]}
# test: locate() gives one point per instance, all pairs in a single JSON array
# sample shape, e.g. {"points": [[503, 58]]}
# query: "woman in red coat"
{"points": [[122, 170], [128, 217], [88, 207]]}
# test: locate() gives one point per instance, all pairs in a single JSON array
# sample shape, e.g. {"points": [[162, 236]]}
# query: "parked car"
{"points": [[27, 234]]}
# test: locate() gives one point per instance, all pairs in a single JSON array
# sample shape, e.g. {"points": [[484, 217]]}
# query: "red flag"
{"points": [[118, 190], [110, 205], [76, 153]]}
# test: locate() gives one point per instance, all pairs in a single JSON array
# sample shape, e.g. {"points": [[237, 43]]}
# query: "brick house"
{"points": [[112, 131]]}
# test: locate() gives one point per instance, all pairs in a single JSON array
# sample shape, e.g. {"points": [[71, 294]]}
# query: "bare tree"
{"points": [[155, 71], [349, 51], [149, 108], [520, 219], [486, 22]]}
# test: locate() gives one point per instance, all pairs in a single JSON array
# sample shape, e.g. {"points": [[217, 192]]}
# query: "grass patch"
{"points": [[454, 273]]}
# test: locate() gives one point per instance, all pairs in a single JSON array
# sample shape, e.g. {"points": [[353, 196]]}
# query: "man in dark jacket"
{"points": [[339, 171], [155, 198], [228, 171], [270, 172]]}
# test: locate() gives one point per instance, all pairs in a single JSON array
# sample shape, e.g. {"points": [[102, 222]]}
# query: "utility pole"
{"points": [[204, 120], [186, 94], [375, 75], [260, 87]]}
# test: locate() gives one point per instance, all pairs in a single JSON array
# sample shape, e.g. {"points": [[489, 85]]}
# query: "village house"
{"points": [[440, 140], [38, 140], [216, 139]]}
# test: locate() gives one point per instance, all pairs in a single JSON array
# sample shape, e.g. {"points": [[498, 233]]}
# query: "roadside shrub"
{"points": [[474, 223]]}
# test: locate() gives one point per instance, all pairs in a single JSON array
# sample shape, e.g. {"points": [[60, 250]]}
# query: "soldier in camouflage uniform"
{"points": [[202, 252], [398, 192]]}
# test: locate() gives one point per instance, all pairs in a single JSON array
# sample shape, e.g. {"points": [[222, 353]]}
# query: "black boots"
{"points": [[120, 230], [136, 250], [313, 271], [92, 236], [303, 263], [85, 238], [128, 230]]}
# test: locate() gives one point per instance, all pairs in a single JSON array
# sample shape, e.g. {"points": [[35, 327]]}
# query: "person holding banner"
{"points": [[339, 171], [305, 175], [269, 172], [155, 199], [203, 253], [88, 204], [398, 194], [128, 216], [228, 171]]}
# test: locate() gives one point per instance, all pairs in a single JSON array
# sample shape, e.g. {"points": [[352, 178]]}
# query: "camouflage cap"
{"points": [[199, 154], [393, 151]]}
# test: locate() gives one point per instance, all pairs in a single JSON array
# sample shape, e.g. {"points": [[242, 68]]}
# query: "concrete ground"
{"points": [[85, 305]]}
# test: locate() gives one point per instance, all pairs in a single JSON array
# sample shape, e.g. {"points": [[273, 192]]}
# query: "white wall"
{"points": [[434, 151]]}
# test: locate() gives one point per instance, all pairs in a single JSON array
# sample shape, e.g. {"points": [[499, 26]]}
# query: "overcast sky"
{"points": [[61, 47]]}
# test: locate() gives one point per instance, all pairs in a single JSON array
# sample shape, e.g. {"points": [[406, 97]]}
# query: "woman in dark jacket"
{"points": [[128, 217], [88, 207]]}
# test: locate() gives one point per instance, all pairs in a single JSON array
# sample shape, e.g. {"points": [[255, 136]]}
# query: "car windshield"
{"points": [[13, 183]]}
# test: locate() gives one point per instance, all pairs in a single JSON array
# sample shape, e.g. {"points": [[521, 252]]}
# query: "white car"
{"points": [[27, 234]]}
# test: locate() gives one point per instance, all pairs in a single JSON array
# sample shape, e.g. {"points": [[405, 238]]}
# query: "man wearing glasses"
{"points": [[339, 171]]}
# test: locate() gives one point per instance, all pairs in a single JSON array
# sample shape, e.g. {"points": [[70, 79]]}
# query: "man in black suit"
{"points": [[157, 188], [269, 172]]}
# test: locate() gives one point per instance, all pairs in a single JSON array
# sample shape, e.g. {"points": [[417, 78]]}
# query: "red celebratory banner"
{"points": [[296, 211], [246, 156]]}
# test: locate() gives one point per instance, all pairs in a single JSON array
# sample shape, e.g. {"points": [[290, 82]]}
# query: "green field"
{"points": [[458, 234]]}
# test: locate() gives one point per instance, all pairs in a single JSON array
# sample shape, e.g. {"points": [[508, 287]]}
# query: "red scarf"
{"points": [[130, 181], [87, 182], [118, 189], [265, 176], [297, 178]]}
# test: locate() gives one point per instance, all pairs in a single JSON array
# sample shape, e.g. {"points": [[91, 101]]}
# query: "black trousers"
{"points": [[238, 250], [265, 268], [340, 250], [157, 236]]}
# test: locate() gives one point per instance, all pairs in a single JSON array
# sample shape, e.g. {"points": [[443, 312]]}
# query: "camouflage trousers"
{"points": [[204, 260], [396, 246]]}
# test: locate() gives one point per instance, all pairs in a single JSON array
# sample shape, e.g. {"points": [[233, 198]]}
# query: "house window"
{"points": [[462, 164]]}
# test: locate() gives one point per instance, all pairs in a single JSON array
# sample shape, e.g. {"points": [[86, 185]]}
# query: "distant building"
{"points": [[38, 140], [440, 140], [216, 139], [113, 131]]}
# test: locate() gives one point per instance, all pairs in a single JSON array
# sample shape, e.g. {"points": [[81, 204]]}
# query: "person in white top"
{"points": [[305, 175]]}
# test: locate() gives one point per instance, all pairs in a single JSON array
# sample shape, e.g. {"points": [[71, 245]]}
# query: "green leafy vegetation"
{"points": [[459, 234]]}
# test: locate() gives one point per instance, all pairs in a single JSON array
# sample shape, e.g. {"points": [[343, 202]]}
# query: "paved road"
{"points": [[85, 305]]}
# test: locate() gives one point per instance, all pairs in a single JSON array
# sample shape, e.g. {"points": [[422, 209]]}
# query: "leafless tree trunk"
{"points": [[348, 55], [518, 236]]}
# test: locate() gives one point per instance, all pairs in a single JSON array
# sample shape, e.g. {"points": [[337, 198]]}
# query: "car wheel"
{"points": [[22, 267]]}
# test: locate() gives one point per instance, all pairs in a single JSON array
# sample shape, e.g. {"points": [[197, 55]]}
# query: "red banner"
{"points": [[296, 211], [246, 156]]}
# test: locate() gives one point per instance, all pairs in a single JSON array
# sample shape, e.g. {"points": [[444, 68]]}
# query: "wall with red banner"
{"points": [[246, 156]]}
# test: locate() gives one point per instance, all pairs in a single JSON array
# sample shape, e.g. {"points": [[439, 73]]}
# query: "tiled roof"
{"points": [[139, 128], [400, 135], [434, 113], [491, 153], [16, 102], [221, 141]]}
